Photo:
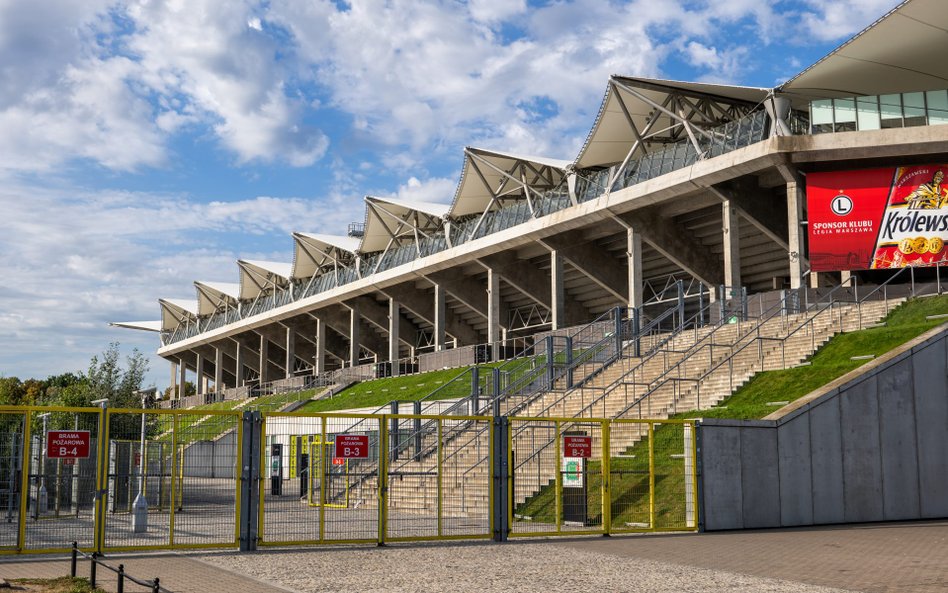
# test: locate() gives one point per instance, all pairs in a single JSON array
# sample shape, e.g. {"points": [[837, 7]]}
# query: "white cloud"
{"points": [[837, 19], [437, 190]]}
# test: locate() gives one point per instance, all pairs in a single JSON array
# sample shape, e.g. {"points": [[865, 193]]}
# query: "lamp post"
{"points": [[42, 498], [140, 505]]}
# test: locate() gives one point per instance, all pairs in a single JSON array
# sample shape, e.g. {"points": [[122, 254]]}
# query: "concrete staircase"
{"points": [[695, 369]]}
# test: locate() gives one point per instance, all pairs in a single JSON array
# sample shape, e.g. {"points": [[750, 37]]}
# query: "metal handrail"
{"points": [[760, 339]]}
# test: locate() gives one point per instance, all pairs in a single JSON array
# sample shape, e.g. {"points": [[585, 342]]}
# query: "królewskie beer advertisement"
{"points": [[870, 219]]}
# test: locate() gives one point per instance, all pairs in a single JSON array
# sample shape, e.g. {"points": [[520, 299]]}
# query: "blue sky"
{"points": [[145, 145]]}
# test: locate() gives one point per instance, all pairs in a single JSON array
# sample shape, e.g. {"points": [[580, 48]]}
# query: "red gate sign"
{"points": [[338, 461], [577, 446], [352, 446], [67, 444]]}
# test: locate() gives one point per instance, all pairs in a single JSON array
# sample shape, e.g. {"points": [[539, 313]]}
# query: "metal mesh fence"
{"points": [[171, 479], [12, 427], [60, 502], [308, 494], [597, 476]]}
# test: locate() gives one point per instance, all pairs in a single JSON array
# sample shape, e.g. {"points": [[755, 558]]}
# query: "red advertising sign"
{"points": [[878, 218], [352, 446], [67, 444], [338, 461], [577, 446]]}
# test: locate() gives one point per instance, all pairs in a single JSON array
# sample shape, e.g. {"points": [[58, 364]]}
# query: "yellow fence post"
{"points": [[440, 491], [651, 475], [383, 478], [606, 467], [558, 495], [322, 478], [174, 473], [25, 483]]}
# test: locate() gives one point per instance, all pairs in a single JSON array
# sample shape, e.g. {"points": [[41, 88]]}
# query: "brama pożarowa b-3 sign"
{"points": [[878, 218]]}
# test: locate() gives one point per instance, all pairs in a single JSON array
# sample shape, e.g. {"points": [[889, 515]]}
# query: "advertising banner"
{"points": [[891, 217]]}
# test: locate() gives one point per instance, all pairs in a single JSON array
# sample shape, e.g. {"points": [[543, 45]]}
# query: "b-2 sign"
{"points": [[67, 444], [577, 446], [352, 446]]}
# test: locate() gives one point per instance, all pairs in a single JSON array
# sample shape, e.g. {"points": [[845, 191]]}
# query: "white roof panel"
{"points": [[311, 252], [482, 177], [385, 217], [150, 326], [257, 276]]}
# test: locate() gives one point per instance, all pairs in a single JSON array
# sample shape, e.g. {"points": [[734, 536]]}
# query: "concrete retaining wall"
{"points": [[871, 446]]}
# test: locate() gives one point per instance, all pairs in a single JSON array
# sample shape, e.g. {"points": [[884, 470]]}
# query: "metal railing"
{"points": [[748, 130], [153, 585]]}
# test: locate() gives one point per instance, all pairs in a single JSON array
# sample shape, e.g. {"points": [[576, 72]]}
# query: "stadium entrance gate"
{"points": [[223, 479]]}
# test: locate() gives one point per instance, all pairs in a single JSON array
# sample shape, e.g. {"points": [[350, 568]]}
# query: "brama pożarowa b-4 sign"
{"points": [[878, 218]]}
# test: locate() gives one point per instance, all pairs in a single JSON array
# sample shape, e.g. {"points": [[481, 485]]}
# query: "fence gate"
{"points": [[335, 478], [576, 476]]}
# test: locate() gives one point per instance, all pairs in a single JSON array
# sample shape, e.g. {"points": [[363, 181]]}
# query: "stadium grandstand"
{"points": [[700, 197]]}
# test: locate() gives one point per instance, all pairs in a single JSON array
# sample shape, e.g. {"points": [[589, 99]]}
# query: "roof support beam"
{"points": [[422, 304], [595, 263], [534, 283], [674, 242]]}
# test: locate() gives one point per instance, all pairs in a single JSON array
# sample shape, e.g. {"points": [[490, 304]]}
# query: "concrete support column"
{"points": [[493, 312], [264, 359], [199, 372], [319, 364], [796, 197], [439, 321], [355, 337], [814, 280], [290, 351], [558, 291], [174, 380], [239, 365], [846, 277], [634, 255], [182, 377], [732, 246], [393, 318], [218, 369]]}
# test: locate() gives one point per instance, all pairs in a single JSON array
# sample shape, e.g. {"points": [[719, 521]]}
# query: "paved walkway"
{"points": [[874, 558]]}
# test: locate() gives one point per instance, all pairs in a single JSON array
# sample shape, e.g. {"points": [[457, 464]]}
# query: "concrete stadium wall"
{"points": [[871, 446], [211, 459]]}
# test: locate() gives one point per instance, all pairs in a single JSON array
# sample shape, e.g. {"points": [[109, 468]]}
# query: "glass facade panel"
{"points": [[844, 114], [913, 109], [821, 116], [890, 108], [867, 113], [937, 103]]}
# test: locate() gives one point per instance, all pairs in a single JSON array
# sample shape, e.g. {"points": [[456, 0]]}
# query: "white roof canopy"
{"points": [[215, 296], [315, 253], [654, 111], [174, 312], [390, 222], [148, 326], [489, 177], [262, 276], [901, 52]]}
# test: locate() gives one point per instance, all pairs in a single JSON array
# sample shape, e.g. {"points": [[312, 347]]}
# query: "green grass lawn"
{"points": [[630, 489], [829, 363]]}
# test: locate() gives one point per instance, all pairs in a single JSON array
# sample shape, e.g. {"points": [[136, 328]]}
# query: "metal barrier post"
{"points": [[75, 555], [701, 304], [501, 482], [476, 390], [549, 360], [681, 303], [617, 328], [92, 570], [394, 431], [250, 455], [636, 328], [121, 578], [382, 482], [417, 429], [569, 362], [744, 303]]}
